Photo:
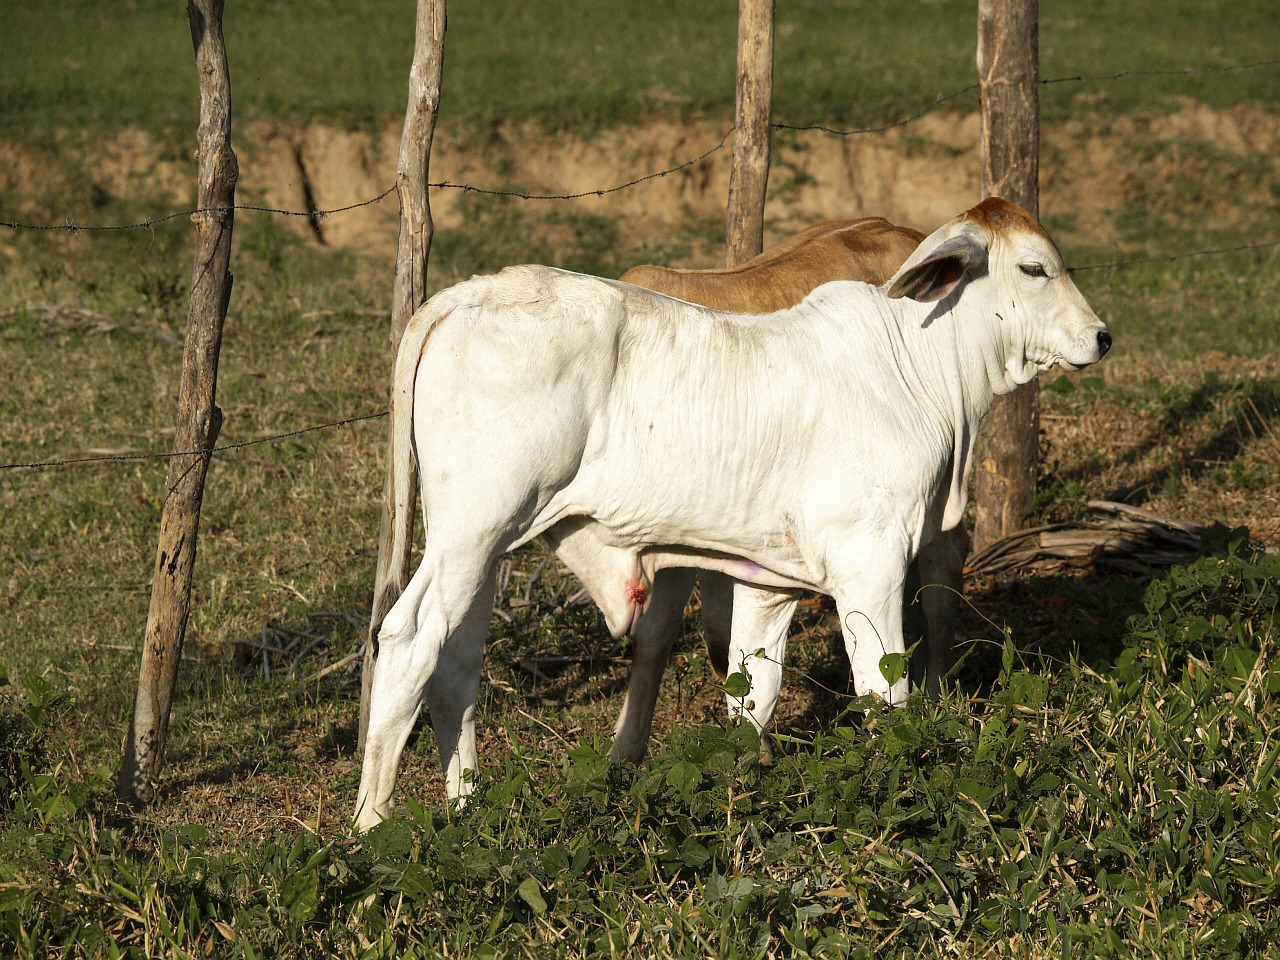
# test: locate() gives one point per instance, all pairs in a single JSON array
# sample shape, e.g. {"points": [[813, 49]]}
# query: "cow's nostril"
{"points": [[1104, 341]]}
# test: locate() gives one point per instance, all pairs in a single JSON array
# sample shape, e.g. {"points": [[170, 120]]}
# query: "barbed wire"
{"points": [[1077, 78], [321, 214], [1176, 256], [1184, 72], [938, 101], [198, 211], [525, 195], [206, 452]]}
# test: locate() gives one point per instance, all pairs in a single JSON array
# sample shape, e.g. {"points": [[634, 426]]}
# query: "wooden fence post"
{"points": [[199, 419], [749, 173], [410, 292], [1008, 76]]}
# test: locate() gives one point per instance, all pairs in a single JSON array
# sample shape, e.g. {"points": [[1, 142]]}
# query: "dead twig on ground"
{"points": [[1125, 538]]}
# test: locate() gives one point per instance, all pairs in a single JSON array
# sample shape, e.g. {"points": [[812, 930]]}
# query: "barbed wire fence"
{"points": [[939, 101], [322, 214]]}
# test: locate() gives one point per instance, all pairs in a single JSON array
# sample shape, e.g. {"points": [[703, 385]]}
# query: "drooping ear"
{"points": [[936, 274]]}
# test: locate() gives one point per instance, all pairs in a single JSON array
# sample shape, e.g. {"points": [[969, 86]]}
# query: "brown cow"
{"points": [[869, 249]]}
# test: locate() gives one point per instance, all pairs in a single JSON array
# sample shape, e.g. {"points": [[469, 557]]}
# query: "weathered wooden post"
{"points": [[410, 291], [199, 419], [749, 173], [1008, 76]]}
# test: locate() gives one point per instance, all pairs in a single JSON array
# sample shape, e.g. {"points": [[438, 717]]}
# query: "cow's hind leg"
{"points": [[446, 600], [651, 642], [452, 691]]}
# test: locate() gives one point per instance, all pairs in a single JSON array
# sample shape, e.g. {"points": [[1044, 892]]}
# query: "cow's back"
{"points": [[869, 249]]}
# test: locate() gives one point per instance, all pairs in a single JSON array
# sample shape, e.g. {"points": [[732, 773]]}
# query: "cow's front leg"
{"points": [[869, 603], [757, 646], [935, 592]]}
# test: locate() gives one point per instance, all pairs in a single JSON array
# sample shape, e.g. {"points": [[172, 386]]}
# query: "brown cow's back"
{"points": [[869, 249]]}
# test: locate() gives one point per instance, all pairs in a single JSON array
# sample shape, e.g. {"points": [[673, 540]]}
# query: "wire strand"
{"points": [[1176, 256], [1183, 72], [207, 452], [198, 211], [525, 195], [939, 101]]}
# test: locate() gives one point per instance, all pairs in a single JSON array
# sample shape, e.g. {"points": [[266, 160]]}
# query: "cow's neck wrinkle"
{"points": [[951, 361]]}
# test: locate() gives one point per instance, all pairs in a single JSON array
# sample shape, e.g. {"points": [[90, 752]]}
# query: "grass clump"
{"points": [[24, 746]]}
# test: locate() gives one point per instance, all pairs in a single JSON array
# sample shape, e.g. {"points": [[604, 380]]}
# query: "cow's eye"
{"points": [[1032, 269]]}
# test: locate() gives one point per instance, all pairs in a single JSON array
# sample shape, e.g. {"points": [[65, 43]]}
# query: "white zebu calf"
{"points": [[806, 449], [869, 249]]}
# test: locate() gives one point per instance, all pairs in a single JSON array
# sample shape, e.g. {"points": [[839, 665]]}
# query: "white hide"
{"points": [[802, 449]]}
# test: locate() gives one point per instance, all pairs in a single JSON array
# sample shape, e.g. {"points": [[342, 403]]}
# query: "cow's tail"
{"points": [[403, 453]]}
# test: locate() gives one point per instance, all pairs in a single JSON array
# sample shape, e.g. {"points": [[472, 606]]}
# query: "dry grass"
{"points": [[1194, 438]]}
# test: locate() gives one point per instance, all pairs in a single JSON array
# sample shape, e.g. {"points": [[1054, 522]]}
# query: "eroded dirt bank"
{"points": [[919, 175]]}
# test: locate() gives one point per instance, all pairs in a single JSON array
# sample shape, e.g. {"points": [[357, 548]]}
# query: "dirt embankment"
{"points": [[919, 175]]}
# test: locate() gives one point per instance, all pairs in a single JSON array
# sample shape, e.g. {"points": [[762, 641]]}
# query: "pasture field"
{"points": [[574, 64], [1104, 779]]}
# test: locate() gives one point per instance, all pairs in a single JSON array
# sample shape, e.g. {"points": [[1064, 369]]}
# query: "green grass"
{"points": [[584, 65], [1190, 307], [1120, 804]]}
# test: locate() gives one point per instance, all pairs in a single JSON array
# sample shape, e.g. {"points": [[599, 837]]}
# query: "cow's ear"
{"points": [[937, 273]]}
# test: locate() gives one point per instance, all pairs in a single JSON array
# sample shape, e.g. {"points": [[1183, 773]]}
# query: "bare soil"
{"points": [[919, 175]]}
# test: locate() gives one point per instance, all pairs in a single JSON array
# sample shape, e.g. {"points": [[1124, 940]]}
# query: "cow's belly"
{"points": [[668, 525], [620, 568], [777, 575], [772, 515]]}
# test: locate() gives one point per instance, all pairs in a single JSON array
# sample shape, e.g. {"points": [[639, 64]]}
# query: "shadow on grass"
{"points": [[234, 724], [1052, 619], [277, 701], [1225, 415], [1070, 616]]}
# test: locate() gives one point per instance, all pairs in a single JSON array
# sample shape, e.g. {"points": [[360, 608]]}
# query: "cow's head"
{"points": [[997, 259]]}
